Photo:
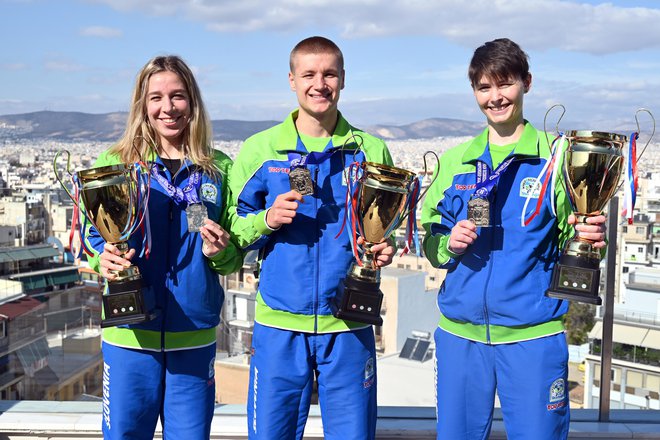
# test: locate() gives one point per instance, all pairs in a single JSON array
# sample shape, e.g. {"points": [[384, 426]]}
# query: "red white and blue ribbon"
{"points": [[630, 184], [412, 234], [354, 174], [548, 177]]}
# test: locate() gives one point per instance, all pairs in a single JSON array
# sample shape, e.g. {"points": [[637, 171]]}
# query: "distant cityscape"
{"points": [[50, 302]]}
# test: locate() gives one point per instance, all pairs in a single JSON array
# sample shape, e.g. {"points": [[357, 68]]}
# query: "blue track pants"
{"points": [[139, 386], [282, 374], [531, 379]]}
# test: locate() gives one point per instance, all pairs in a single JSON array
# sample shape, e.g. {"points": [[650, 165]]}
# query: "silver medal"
{"points": [[196, 213], [300, 180]]}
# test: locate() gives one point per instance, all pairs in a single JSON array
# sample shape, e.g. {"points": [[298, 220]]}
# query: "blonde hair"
{"points": [[140, 139]]}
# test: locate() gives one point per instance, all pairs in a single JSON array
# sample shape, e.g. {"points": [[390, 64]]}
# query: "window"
{"points": [[625, 229], [634, 379], [640, 230], [640, 249]]}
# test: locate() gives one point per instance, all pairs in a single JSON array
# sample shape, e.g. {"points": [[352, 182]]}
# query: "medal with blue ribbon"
{"points": [[479, 205], [300, 178], [196, 212]]}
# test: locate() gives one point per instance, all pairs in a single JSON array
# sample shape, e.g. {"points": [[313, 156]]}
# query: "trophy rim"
{"points": [[390, 169], [595, 134], [107, 169]]}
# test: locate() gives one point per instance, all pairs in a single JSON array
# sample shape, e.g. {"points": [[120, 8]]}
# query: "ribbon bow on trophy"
{"points": [[592, 163], [114, 200], [378, 200]]}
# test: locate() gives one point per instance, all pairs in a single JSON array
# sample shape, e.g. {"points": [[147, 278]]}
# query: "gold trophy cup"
{"points": [[593, 164], [382, 196], [114, 199]]}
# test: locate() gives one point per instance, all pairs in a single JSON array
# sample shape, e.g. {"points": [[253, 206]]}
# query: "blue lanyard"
{"points": [[487, 179], [189, 193], [297, 159]]}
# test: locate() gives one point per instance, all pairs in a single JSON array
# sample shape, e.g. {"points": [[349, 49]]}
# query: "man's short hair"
{"points": [[500, 60], [316, 45]]}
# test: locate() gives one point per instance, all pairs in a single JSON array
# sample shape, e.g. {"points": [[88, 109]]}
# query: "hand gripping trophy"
{"points": [[378, 199], [114, 200], [592, 163]]}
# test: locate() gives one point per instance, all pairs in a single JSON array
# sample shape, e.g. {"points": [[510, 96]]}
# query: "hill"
{"points": [[77, 126]]}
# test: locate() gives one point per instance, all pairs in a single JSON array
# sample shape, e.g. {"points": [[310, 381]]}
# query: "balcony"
{"points": [[82, 420]]}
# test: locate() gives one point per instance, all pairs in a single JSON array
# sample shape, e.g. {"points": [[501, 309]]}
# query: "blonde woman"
{"points": [[164, 367]]}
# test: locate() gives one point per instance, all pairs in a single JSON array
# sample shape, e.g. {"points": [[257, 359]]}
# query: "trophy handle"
{"points": [[545, 130], [68, 171], [652, 132], [423, 193]]}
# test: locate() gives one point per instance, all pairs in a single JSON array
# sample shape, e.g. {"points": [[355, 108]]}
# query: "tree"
{"points": [[578, 322]]}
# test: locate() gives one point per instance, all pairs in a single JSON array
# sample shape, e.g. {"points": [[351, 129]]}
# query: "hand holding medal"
{"points": [[214, 236]]}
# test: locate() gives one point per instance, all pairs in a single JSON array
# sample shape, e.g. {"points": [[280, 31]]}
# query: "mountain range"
{"points": [[107, 127]]}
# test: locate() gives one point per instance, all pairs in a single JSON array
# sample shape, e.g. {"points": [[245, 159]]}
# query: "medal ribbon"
{"points": [[188, 194], [487, 179], [297, 159], [630, 184]]}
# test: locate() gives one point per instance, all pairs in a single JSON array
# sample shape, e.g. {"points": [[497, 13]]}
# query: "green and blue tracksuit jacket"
{"points": [[303, 263], [495, 291], [181, 285]]}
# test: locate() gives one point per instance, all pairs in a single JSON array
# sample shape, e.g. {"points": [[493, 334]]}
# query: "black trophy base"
{"points": [[360, 302], [576, 279], [123, 304]]}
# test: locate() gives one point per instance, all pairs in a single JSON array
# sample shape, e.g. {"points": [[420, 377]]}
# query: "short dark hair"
{"points": [[500, 59], [316, 45]]}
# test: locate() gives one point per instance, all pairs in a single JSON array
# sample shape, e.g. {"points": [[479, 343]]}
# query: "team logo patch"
{"points": [[530, 187], [557, 390], [209, 192], [369, 373]]}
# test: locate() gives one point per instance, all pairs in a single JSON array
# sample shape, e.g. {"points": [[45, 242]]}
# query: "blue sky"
{"points": [[406, 60]]}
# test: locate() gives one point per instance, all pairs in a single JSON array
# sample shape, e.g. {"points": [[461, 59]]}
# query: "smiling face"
{"points": [[317, 79], [168, 108], [502, 100]]}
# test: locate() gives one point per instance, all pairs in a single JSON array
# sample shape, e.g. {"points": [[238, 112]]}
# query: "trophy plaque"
{"points": [[114, 199]]}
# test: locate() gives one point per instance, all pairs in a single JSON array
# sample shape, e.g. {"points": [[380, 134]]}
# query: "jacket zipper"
{"points": [[317, 252]]}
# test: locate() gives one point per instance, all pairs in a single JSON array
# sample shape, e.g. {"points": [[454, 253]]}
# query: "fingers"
{"points": [[214, 237], [383, 253], [593, 229], [463, 234], [283, 209], [112, 261]]}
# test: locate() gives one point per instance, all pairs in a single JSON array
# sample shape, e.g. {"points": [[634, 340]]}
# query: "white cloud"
{"points": [[13, 66], [101, 32], [62, 65], [541, 24]]}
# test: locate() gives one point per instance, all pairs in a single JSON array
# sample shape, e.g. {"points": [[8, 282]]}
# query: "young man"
{"points": [[498, 330], [296, 337]]}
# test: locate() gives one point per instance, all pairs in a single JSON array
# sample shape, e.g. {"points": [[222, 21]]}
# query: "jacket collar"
{"points": [[528, 145], [288, 136]]}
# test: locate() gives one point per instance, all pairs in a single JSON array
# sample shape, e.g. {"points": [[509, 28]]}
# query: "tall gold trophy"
{"points": [[114, 199], [385, 196], [383, 192], [593, 164]]}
